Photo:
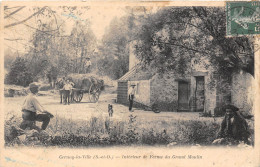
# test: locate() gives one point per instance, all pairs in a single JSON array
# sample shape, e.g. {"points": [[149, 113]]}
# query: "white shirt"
{"points": [[131, 91], [88, 63], [32, 104], [67, 86]]}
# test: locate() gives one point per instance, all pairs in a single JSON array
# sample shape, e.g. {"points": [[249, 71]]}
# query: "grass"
{"points": [[102, 131]]}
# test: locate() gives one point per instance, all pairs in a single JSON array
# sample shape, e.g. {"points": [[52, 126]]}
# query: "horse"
{"points": [[59, 85]]}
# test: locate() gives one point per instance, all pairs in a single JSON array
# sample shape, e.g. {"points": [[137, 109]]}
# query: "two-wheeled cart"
{"points": [[93, 93]]}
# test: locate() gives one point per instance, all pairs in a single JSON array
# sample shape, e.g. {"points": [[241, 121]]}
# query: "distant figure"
{"points": [[234, 124], [87, 65], [30, 108], [67, 91], [59, 85], [71, 91], [131, 97], [110, 110]]}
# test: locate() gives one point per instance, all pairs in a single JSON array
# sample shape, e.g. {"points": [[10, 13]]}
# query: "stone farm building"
{"points": [[199, 89]]}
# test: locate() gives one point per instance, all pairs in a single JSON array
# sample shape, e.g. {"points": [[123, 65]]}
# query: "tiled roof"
{"points": [[136, 73]]}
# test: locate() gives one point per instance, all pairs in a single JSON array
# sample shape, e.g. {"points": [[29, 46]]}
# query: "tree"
{"points": [[9, 57], [42, 55], [39, 11], [83, 42], [19, 73], [176, 34], [50, 52], [115, 48]]}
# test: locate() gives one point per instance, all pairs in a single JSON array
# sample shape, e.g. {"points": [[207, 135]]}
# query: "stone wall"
{"points": [[210, 94], [142, 94], [243, 91], [164, 91], [200, 66], [223, 90], [164, 88]]}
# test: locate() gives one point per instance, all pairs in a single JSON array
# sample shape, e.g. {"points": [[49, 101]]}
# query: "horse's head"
{"points": [[59, 83]]}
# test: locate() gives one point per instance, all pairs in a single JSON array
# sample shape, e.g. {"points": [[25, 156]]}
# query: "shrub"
{"points": [[195, 132], [98, 131], [151, 137], [19, 73], [45, 87]]}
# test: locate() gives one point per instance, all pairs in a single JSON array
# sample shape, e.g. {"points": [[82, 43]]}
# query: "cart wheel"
{"points": [[77, 96], [94, 95]]}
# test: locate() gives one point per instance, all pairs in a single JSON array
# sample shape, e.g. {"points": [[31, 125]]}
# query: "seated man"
{"points": [[30, 108], [234, 124]]}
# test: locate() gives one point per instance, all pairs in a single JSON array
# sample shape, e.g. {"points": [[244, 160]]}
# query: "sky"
{"points": [[98, 16]]}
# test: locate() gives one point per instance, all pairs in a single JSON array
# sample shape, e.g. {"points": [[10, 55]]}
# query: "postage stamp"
{"points": [[243, 18]]}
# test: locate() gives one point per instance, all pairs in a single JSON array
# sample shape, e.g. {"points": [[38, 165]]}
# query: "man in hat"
{"points": [[30, 108], [87, 65], [68, 91], [131, 97], [234, 124]]}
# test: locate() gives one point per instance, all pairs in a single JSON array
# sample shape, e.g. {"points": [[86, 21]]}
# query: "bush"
{"points": [[98, 131], [13, 90], [19, 73], [45, 87]]}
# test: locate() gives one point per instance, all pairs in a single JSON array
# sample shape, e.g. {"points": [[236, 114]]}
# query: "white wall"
{"points": [[142, 88], [132, 57], [243, 91]]}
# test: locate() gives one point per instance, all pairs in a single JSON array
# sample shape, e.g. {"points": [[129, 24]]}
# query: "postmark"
{"points": [[243, 18]]}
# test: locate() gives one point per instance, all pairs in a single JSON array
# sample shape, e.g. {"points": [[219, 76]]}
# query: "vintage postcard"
{"points": [[130, 83]]}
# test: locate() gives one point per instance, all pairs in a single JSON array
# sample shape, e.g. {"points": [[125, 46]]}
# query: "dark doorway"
{"points": [[183, 96], [122, 92], [200, 93]]}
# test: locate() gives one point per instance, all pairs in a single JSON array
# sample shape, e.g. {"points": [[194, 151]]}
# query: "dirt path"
{"points": [[85, 110]]}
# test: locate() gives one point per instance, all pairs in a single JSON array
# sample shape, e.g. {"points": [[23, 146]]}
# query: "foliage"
{"points": [[52, 56], [50, 52], [19, 73], [174, 35], [100, 131], [9, 57], [114, 49], [83, 43]]}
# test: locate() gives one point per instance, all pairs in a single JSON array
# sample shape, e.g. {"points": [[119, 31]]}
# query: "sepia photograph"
{"points": [[129, 76]]}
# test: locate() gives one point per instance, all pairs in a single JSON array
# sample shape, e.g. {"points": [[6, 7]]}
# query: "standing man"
{"points": [[67, 91], [30, 108], [131, 97]]}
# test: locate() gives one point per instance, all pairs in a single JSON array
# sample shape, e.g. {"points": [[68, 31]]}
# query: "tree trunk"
{"points": [[81, 59]]}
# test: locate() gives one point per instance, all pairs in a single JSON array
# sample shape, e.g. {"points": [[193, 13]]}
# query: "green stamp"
{"points": [[243, 18]]}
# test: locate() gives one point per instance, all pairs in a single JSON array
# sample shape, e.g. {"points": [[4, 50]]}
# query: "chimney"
{"points": [[133, 61]]}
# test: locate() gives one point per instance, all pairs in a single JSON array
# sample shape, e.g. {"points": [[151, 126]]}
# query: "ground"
{"points": [[88, 123], [85, 110]]}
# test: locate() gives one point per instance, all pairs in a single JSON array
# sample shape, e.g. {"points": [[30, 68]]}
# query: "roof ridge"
{"points": [[130, 72]]}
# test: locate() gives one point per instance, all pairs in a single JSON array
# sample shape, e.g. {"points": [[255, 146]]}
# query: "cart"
{"points": [[93, 94]]}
